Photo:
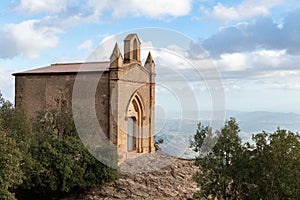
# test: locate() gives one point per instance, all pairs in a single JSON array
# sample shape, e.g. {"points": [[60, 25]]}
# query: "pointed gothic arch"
{"points": [[135, 112]]}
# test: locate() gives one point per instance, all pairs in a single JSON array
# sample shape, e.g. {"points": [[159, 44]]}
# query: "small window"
{"points": [[135, 50]]}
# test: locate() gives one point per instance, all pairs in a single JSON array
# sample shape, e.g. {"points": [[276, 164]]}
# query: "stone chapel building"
{"points": [[123, 99]]}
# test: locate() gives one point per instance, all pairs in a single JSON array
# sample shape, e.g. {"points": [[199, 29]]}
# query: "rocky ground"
{"points": [[150, 176]]}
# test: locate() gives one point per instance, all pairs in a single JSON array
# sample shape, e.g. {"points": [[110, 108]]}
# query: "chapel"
{"points": [[121, 93]]}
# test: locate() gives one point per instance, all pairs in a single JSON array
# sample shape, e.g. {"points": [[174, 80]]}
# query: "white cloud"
{"points": [[281, 74], [72, 11], [232, 87], [31, 36], [293, 86], [271, 59], [233, 62], [275, 67], [6, 83], [261, 33], [245, 10], [105, 49], [236, 87], [170, 58], [85, 45], [27, 38], [157, 8], [148, 8], [38, 6]]}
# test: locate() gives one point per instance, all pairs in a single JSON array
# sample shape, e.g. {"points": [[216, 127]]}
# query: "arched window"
{"points": [[135, 50]]}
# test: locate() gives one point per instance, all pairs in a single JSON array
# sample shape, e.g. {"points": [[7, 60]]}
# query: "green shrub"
{"points": [[62, 163]]}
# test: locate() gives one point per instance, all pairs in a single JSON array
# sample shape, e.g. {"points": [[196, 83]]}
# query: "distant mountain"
{"points": [[267, 121], [248, 121], [176, 131]]}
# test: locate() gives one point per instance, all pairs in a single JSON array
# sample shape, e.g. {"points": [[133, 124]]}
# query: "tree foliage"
{"points": [[15, 134], [268, 169], [204, 140], [46, 159], [10, 159], [62, 162]]}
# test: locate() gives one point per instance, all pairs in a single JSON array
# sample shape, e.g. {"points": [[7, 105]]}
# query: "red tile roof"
{"points": [[69, 68]]}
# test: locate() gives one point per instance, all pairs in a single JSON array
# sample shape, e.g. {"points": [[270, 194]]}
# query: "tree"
{"points": [[10, 171], [203, 140], [275, 164], [15, 133], [157, 143], [214, 177], [269, 169]]}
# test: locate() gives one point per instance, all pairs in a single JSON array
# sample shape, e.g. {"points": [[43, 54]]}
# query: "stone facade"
{"points": [[123, 98]]}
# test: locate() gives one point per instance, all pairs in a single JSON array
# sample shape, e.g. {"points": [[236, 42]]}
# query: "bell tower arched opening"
{"points": [[135, 50], [132, 47]]}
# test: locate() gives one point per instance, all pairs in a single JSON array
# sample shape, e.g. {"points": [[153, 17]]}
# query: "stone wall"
{"points": [[133, 80], [53, 92]]}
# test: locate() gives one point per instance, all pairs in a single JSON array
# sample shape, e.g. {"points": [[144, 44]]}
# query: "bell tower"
{"points": [[132, 46]]}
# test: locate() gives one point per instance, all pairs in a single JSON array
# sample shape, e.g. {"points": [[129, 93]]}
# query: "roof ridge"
{"points": [[69, 68], [77, 63]]}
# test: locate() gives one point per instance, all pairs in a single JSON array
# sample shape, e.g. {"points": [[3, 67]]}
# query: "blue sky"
{"points": [[254, 44]]}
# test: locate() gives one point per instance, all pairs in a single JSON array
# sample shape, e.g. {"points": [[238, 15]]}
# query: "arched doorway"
{"points": [[131, 135], [135, 112]]}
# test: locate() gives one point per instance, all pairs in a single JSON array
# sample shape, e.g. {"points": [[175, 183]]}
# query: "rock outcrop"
{"points": [[150, 176]]}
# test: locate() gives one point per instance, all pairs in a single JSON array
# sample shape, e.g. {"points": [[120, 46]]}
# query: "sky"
{"points": [[254, 45]]}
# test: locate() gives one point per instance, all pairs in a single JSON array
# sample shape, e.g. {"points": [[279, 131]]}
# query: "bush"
{"points": [[62, 163]]}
